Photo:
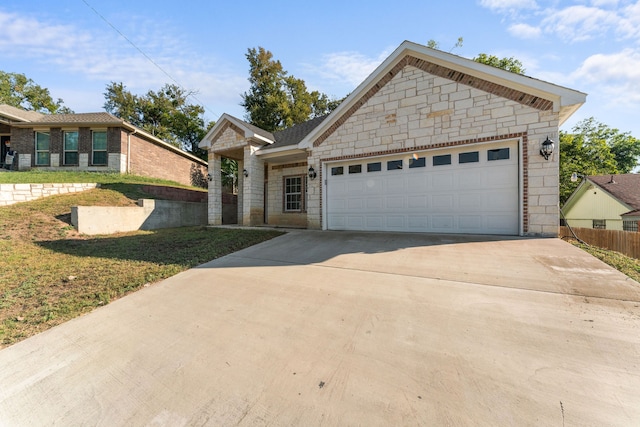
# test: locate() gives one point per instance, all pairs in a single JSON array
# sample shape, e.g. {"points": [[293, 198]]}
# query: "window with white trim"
{"points": [[42, 149], [99, 147], [599, 224], [294, 193], [70, 148], [630, 225]]}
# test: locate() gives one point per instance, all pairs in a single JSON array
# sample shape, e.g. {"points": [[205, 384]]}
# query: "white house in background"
{"points": [[610, 202], [429, 142]]}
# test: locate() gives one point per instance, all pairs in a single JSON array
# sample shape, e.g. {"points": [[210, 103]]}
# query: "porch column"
{"points": [[252, 188], [214, 205]]}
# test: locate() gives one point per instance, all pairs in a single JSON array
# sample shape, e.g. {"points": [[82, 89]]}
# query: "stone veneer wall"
{"points": [[16, 193], [416, 110]]}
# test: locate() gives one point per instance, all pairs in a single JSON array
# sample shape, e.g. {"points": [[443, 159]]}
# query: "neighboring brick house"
{"points": [[429, 142], [94, 142], [610, 202]]}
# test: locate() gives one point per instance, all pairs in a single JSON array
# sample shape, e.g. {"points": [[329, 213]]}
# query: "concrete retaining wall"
{"points": [[149, 215], [15, 193]]}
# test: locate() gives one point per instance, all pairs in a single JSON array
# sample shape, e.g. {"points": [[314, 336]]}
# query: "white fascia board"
{"points": [[281, 151], [248, 133]]}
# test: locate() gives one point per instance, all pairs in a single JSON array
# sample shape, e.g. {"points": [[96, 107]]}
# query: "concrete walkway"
{"points": [[324, 328]]}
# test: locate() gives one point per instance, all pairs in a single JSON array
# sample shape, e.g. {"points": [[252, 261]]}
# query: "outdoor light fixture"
{"points": [[312, 173], [245, 173], [546, 149], [209, 177], [575, 176]]}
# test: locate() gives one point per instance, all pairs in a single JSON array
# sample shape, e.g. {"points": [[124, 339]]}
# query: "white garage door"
{"points": [[472, 190]]}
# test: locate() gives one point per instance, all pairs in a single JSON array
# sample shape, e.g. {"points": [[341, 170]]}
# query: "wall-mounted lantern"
{"points": [[312, 173], [546, 149]]}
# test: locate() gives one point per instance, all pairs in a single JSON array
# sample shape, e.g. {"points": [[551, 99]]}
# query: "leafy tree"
{"points": [[277, 100], [166, 114], [19, 91], [595, 149], [510, 64]]}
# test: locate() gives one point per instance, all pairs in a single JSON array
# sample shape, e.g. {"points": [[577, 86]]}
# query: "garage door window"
{"points": [[420, 162], [498, 154], [470, 157], [294, 190], [442, 160], [355, 168], [374, 167], [338, 170], [394, 164]]}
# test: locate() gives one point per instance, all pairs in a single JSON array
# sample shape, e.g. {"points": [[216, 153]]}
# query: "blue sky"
{"points": [[588, 45]]}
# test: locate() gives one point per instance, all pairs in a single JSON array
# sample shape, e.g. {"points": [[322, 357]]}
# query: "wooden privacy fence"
{"points": [[626, 242]]}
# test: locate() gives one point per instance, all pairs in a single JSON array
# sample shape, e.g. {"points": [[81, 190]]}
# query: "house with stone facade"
{"points": [[429, 142], [98, 142]]}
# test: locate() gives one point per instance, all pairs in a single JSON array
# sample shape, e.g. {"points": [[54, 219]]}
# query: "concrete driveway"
{"points": [[336, 328]]}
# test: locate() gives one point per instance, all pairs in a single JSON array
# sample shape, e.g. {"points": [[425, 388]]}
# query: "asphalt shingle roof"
{"points": [[94, 118], [295, 134], [625, 188], [25, 115]]}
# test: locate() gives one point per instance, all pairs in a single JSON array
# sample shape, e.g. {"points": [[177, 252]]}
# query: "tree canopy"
{"points": [[20, 91], [277, 100], [593, 148], [166, 114], [510, 64]]}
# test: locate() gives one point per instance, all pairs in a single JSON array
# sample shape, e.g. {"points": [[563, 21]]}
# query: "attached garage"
{"points": [[472, 189], [429, 143]]}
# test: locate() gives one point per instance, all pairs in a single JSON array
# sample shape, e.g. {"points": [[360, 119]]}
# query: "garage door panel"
{"points": [[374, 204], [443, 181], [481, 196], [442, 223], [470, 222], [395, 222], [375, 222], [470, 201], [418, 223], [394, 203], [470, 179], [417, 201], [442, 202]]}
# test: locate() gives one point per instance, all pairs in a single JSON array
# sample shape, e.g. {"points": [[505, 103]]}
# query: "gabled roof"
{"points": [[525, 90], [18, 114], [250, 131], [28, 119], [522, 89], [79, 118], [624, 188], [297, 133]]}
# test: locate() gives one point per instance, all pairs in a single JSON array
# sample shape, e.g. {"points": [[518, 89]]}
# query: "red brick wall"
{"points": [[149, 159]]}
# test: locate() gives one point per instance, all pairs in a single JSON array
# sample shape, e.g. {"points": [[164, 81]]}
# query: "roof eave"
{"points": [[273, 153], [566, 101]]}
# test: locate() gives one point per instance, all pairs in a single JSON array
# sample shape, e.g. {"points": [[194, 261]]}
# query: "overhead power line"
{"points": [[189, 94]]}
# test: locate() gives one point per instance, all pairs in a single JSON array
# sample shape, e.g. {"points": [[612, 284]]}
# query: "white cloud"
{"points": [[616, 75], [509, 4], [579, 23], [524, 31], [342, 72], [80, 62]]}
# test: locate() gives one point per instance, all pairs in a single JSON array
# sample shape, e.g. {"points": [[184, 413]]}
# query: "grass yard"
{"points": [[51, 273], [627, 265]]}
